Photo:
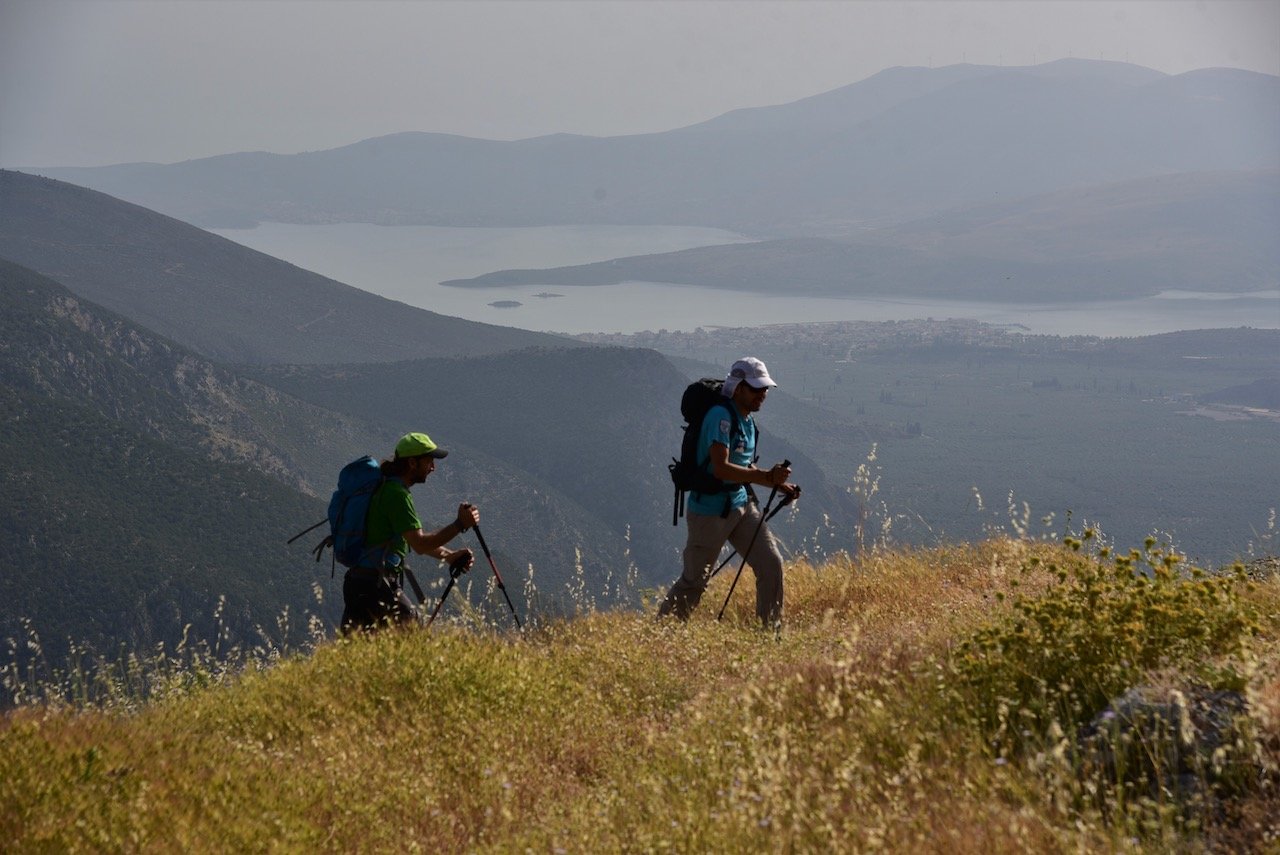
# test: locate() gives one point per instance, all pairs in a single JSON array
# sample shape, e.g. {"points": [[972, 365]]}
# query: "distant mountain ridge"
{"points": [[1190, 231], [899, 145], [208, 293], [1263, 393]]}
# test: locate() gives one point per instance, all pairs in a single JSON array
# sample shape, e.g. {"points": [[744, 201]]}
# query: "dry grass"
{"points": [[609, 732]]}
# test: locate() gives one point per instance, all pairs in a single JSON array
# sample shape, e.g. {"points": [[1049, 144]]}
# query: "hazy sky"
{"points": [[88, 82]]}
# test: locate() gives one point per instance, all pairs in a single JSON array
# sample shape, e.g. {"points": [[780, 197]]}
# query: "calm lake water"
{"points": [[406, 263]]}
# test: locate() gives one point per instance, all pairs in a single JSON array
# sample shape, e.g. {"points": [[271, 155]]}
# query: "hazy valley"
{"points": [[977, 427], [517, 423]]}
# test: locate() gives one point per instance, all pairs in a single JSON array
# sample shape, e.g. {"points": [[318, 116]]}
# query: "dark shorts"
{"points": [[373, 599]]}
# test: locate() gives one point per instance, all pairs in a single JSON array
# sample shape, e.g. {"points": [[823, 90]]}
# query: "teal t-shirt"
{"points": [[391, 513], [716, 428]]}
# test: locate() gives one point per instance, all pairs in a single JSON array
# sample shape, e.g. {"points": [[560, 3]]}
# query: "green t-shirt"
{"points": [[391, 513]]}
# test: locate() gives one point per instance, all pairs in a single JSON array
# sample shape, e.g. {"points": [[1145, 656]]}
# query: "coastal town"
{"points": [[843, 339]]}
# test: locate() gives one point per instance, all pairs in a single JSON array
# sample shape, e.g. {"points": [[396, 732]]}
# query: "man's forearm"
{"points": [[735, 474], [433, 543]]}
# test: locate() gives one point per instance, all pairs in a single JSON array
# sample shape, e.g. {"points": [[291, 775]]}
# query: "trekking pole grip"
{"points": [[787, 464]]}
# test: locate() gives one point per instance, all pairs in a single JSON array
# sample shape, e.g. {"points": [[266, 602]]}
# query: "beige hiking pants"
{"points": [[707, 534]]}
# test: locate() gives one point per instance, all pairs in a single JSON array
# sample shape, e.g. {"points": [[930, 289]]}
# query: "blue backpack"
{"points": [[349, 508], [348, 512]]}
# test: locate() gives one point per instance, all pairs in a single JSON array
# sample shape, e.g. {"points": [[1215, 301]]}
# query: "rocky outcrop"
{"points": [[1183, 745]]}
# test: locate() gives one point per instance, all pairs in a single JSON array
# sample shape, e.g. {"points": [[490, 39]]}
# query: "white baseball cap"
{"points": [[750, 370]]}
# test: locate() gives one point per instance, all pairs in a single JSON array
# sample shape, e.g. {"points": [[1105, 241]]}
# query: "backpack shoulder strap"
{"points": [[370, 549], [735, 421]]}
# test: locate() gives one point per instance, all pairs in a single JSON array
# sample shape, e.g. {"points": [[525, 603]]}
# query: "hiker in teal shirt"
{"points": [[373, 593], [717, 429], [713, 519]]}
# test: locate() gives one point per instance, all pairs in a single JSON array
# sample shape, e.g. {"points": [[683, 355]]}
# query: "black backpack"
{"points": [[689, 474]]}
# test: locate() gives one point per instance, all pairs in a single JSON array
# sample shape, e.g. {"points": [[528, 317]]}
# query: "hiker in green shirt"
{"points": [[373, 591]]}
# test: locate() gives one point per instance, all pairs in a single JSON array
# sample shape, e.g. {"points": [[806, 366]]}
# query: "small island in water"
{"points": [[546, 294], [506, 304]]}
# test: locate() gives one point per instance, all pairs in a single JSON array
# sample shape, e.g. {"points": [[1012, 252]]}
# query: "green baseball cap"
{"points": [[417, 445]]}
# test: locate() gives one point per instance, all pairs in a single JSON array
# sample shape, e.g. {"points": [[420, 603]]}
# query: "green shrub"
{"points": [[1091, 630]]}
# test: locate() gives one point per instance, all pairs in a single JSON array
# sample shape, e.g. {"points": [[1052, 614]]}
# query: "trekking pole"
{"points": [[413, 583], [456, 569], [786, 500], [496, 575], [751, 543]]}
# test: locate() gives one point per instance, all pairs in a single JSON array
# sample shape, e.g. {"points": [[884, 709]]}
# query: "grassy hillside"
{"points": [[216, 297], [953, 700]]}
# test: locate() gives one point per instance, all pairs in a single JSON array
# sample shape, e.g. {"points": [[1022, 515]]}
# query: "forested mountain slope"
{"points": [[132, 493], [142, 482]]}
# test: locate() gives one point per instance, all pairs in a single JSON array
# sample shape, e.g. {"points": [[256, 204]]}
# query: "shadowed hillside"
{"points": [[135, 489], [598, 426], [142, 481], [223, 300]]}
